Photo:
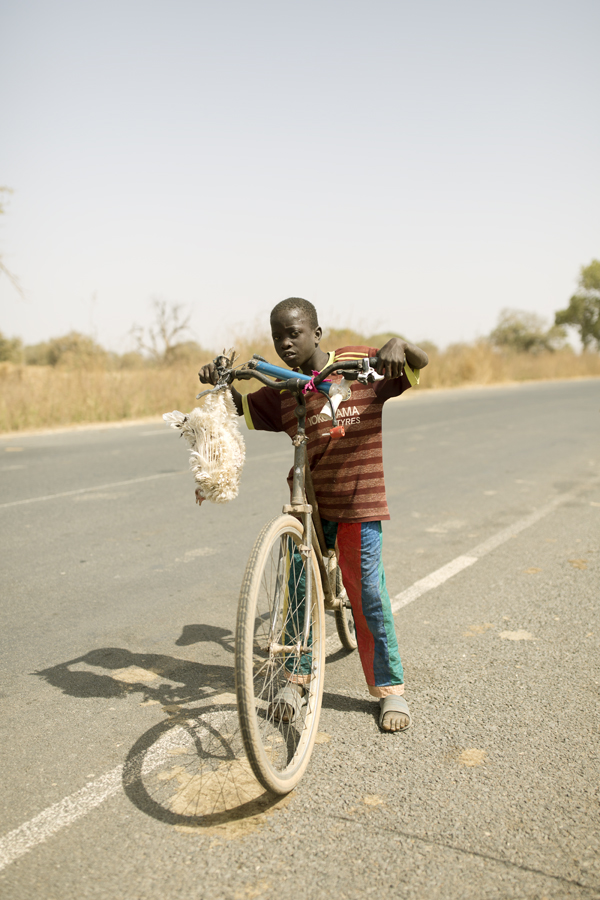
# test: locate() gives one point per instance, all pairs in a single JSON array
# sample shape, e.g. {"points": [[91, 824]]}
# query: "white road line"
{"points": [[435, 579], [37, 830], [513, 530], [114, 484], [89, 490], [18, 842]]}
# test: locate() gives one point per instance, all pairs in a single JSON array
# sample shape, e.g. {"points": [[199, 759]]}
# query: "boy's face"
{"points": [[294, 339]]}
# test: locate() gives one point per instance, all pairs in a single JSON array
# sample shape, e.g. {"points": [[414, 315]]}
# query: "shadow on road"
{"points": [[189, 770], [343, 703], [164, 679]]}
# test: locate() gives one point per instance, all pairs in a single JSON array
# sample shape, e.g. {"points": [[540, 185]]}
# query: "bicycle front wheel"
{"points": [[278, 725]]}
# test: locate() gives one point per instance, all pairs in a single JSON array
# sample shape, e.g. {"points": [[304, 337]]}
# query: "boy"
{"points": [[348, 480]]}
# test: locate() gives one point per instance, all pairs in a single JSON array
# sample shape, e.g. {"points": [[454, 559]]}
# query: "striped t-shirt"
{"points": [[347, 471]]}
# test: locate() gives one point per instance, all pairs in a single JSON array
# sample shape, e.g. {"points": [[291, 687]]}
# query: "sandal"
{"points": [[394, 703], [287, 704]]}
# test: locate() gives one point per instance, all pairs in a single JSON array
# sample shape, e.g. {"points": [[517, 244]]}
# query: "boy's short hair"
{"points": [[304, 306]]}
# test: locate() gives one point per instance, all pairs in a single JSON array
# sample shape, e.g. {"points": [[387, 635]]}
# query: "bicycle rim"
{"points": [[269, 626]]}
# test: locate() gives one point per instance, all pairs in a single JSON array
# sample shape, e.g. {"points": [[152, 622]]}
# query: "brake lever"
{"points": [[218, 387], [368, 374]]}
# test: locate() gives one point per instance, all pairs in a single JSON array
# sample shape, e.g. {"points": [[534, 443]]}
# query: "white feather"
{"points": [[217, 449]]}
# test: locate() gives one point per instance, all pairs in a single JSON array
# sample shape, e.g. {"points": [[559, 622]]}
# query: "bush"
{"points": [[131, 360], [186, 352], [346, 337], [525, 332], [71, 351], [11, 349], [583, 311]]}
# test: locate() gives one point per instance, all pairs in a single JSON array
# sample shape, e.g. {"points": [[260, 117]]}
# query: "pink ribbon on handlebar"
{"points": [[310, 385]]}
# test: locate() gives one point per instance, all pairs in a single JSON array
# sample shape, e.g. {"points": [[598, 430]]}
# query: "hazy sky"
{"points": [[406, 166]]}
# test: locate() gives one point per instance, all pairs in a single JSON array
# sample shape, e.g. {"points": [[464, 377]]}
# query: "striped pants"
{"points": [[359, 554]]}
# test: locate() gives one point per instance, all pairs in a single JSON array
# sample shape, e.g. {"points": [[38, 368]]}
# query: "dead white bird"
{"points": [[217, 449]]}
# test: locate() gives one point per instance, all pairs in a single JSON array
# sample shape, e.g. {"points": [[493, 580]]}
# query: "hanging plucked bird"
{"points": [[217, 449]]}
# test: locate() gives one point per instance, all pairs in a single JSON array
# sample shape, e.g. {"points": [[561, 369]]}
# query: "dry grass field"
{"points": [[44, 396]]}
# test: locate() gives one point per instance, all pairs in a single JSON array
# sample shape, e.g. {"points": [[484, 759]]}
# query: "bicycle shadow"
{"points": [[167, 680], [190, 769]]}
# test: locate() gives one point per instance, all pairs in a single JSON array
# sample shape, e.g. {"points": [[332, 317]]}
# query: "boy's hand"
{"points": [[393, 355], [391, 358], [208, 374]]}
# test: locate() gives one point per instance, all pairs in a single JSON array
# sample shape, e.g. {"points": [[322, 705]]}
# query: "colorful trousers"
{"points": [[359, 556]]}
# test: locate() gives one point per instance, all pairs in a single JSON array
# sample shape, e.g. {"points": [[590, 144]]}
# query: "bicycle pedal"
{"points": [[337, 432]]}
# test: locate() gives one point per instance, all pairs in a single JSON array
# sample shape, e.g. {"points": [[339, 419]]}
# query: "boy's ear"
{"points": [[318, 334]]}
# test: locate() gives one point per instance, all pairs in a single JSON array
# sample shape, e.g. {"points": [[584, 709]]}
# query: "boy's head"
{"points": [[295, 330]]}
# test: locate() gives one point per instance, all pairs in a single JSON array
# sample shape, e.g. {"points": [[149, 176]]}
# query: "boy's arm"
{"points": [[208, 375], [391, 357]]}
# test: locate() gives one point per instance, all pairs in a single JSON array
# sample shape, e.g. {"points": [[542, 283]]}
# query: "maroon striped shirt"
{"points": [[347, 471]]}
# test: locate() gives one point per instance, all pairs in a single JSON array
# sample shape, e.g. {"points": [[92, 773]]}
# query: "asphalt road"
{"points": [[118, 605]]}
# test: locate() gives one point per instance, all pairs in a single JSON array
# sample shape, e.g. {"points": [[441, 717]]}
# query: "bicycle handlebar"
{"points": [[295, 382]]}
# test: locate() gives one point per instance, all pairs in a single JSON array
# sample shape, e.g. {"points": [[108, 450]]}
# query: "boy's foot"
{"points": [[288, 703], [394, 715]]}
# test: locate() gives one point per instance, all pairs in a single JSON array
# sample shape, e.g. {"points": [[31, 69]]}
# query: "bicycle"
{"points": [[291, 578]]}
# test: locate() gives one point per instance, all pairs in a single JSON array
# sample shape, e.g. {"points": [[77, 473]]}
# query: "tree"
{"points": [[72, 350], [11, 349], [3, 268], [583, 311], [161, 340], [525, 332]]}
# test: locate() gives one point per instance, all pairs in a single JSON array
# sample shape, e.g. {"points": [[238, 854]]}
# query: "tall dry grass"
{"points": [[479, 363], [43, 396]]}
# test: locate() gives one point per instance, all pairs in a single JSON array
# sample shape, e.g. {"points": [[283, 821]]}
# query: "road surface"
{"points": [[118, 609]]}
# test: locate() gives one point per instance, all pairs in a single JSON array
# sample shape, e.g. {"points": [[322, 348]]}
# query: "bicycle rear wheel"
{"points": [[270, 625], [344, 620]]}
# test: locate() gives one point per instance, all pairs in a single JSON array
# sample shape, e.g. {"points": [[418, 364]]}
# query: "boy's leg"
{"points": [[364, 579], [298, 671]]}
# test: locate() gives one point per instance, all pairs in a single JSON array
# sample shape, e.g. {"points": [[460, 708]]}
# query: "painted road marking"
{"points": [[37, 830], [437, 578], [89, 490], [463, 562], [114, 484], [18, 842], [434, 580]]}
